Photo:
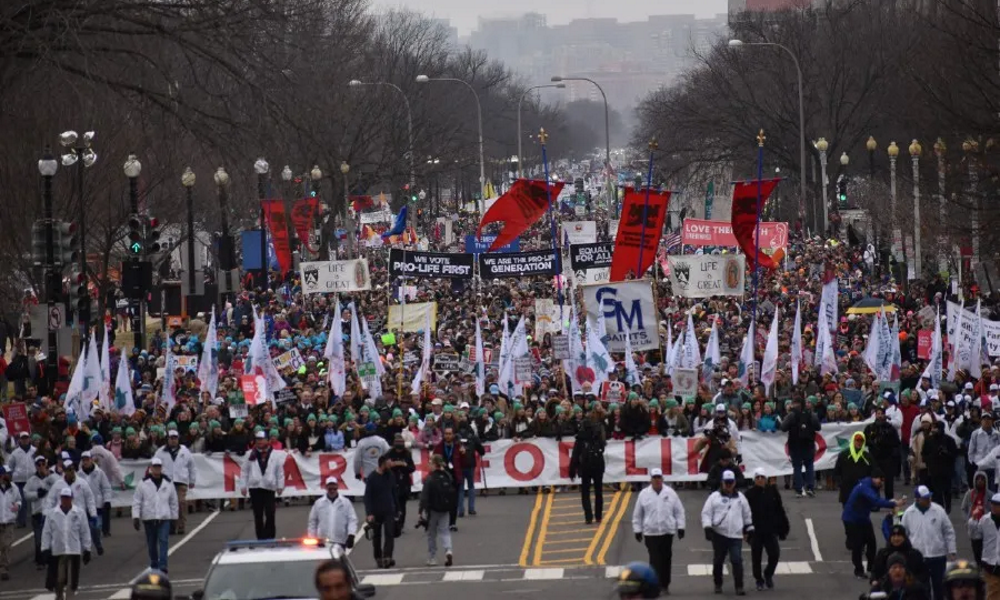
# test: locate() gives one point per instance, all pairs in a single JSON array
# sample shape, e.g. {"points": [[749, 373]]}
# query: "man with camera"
{"points": [[436, 502], [381, 510]]}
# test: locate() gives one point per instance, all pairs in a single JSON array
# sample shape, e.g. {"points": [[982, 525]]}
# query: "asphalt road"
{"points": [[517, 546]]}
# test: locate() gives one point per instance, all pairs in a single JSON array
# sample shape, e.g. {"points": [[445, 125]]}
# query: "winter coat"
{"points": [[10, 504], [21, 463], [969, 500], [852, 467], [728, 516], [99, 484], [658, 513], [66, 533], [152, 502], [273, 476], [332, 519], [767, 510], [914, 561], [862, 501], [930, 530], [37, 489], [180, 468], [83, 496]]}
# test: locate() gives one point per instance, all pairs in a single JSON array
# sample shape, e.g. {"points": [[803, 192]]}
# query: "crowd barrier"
{"points": [[509, 464]]}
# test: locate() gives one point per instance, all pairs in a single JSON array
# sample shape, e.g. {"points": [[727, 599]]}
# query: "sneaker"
{"points": [[431, 562], [810, 493], [860, 574], [472, 513], [448, 559], [453, 528], [760, 586], [799, 494], [769, 583], [740, 592]]}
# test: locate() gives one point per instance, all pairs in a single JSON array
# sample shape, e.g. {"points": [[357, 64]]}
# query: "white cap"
{"points": [[156, 462], [968, 385], [436, 402], [994, 387], [720, 407], [926, 419], [725, 381], [759, 472], [951, 404], [67, 463], [86, 454], [996, 498], [331, 480], [260, 435], [887, 395], [656, 473], [728, 475], [173, 433], [23, 434], [66, 492], [463, 405], [923, 491]]}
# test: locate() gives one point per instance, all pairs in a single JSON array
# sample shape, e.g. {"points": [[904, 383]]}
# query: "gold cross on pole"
{"points": [[542, 136], [760, 138]]}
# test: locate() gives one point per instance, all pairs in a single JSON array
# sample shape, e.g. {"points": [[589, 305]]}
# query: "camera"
{"points": [[421, 523], [368, 531]]}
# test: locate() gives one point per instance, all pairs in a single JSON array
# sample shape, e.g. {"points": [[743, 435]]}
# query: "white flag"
{"points": [[480, 361], [372, 349], [505, 378], [425, 361], [828, 303], [825, 358], [874, 342], [598, 357], [124, 401], [956, 349], [670, 349], [934, 365], [168, 375], [631, 370], [897, 354], [577, 355], [208, 365], [769, 364], [334, 354], [74, 394], [691, 356], [983, 353], [371, 357], [104, 393], [713, 354], [797, 344], [518, 349], [746, 357], [91, 376], [355, 338]]}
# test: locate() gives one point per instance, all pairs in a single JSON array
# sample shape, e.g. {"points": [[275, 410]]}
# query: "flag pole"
{"points": [[756, 260], [645, 208], [543, 138]]}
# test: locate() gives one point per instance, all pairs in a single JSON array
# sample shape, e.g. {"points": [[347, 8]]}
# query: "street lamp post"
{"points": [[188, 180], [802, 121], [970, 147], [409, 120], [607, 132], [261, 167], [940, 150], [287, 192], [915, 150], [133, 168], [316, 176], [83, 156], [822, 146], [47, 168], [348, 219], [872, 146], [226, 257], [479, 109], [897, 234], [520, 132]]}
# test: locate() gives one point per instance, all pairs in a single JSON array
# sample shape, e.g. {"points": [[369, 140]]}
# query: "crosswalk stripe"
{"points": [[383, 579], [121, 594], [543, 574], [44, 597], [475, 575]]}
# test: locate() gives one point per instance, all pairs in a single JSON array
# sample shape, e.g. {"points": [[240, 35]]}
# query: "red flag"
{"points": [[274, 212], [745, 220], [523, 204], [303, 213], [634, 233], [361, 203]]}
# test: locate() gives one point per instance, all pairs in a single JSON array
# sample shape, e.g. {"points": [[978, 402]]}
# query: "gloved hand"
{"points": [[782, 538], [680, 534], [350, 541], [638, 537], [86, 557], [137, 524], [708, 534], [42, 492]]}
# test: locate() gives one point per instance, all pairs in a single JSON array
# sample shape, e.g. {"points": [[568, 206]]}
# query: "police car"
{"points": [[281, 569]]}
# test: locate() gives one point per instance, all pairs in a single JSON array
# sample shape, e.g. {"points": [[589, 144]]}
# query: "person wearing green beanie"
{"points": [[746, 406], [193, 428], [273, 434], [129, 431], [448, 409], [311, 417], [633, 396], [670, 403], [517, 407], [213, 424], [414, 419], [654, 404], [613, 407], [498, 416], [396, 413]]}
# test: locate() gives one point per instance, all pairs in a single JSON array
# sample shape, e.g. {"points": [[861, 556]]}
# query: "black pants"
{"points": [[861, 538], [723, 547], [453, 513], [69, 577], [661, 553], [383, 538], [38, 522], [262, 502], [404, 495], [941, 489], [760, 543], [596, 479], [889, 468], [106, 520], [977, 551]]}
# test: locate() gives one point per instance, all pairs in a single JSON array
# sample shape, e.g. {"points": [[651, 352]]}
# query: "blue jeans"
{"points": [[468, 481], [22, 515], [802, 458], [935, 569], [157, 542], [95, 531], [723, 547]]}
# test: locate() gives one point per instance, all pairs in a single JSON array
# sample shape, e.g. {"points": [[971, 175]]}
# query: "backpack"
{"points": [[442, 493]]}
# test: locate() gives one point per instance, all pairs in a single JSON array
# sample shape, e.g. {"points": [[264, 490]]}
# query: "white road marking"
{"points": [[358, 536], [121, 594], [542, 574], [612, 572], [187, 538], [383, 579], [22, 540], [44, 597], [474, 575], [813, 541]]}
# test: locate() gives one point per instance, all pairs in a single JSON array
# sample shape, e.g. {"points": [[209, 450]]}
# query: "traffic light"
{"points": [[135, 237], [79, 299], [153, 236], [66, 243], [842, 192], [38, 243]]}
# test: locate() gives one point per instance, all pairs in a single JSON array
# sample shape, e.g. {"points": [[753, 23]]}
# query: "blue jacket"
{"points": [[862, 501]]}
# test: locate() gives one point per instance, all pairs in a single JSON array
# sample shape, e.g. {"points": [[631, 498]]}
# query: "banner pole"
{"points": [[756, 261], [543, 138], [645, 208]]}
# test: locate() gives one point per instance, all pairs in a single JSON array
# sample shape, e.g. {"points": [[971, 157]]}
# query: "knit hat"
{"points": [[670, 403], [497, 415], [613, 407], [273, 432], [896, 558], [746, 406], [397, 413]]}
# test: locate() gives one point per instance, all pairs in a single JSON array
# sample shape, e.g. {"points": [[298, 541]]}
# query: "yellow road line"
{"points": [[589, 558], [565, 531], [566, 551], [554, 542], [614, 528], [526, 548], [561, 561], [543, 530]]}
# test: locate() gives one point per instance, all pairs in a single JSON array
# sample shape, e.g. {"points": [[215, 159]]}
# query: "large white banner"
{"points": [[336, 276], [411, 316], [549, 316], [704, 276], [508, 464], [967, 342], [580, 232], [379, 216], [627, 306]]}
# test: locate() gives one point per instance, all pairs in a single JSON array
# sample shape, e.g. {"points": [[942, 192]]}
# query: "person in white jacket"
{"points": [[726, 520], [35, 491], [109, 464], [21, 464], [103, 494], [178, 467], [981, 442], [989, 523], [10, 506], [931, 532], [657, 517], [263, 476], [154, 506], [65, 543], [83, 496], [332, 516]]}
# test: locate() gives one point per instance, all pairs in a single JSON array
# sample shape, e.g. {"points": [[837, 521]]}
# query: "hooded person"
{"points": [[899, 583], [975, 504], [854, 463], [899, 542]]}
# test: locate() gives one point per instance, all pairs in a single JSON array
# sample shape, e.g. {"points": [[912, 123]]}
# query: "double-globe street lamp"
{"points": [[802, 123], [81, 153]]}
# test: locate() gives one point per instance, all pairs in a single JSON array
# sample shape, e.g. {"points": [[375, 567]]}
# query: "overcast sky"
{"points": [[464, 14]]}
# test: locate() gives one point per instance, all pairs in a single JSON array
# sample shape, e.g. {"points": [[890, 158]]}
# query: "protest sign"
{"points": [[704, 276], [434, 265], [626, 305], [411, 317], [16, 416], [474, 246], [520, 264], [252, 387], [291, 359], [580, 232], [685, 382], [699, 232], [335, 276]]}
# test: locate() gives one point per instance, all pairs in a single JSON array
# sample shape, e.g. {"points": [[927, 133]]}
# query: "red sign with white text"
{"points": [[924, 344], [251, 391], [699, 232], [16, 415]]}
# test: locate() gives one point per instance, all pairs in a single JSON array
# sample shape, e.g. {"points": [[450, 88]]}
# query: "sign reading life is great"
{"points": [[336, 276], [627, 306]]}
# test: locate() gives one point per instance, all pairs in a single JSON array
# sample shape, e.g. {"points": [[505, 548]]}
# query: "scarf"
{"points": [[978, 504], [857, 454]]}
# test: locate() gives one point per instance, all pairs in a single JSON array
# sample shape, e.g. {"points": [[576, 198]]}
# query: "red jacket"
{"points": [[456, 461]]}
